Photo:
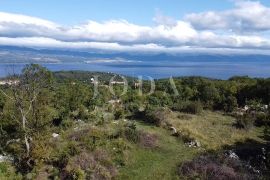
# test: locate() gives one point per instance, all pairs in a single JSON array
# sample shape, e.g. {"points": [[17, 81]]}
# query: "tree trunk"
{"points": [[27, 145]]}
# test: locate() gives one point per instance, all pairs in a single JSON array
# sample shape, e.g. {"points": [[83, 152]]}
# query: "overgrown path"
{"points": [[159, 163]]}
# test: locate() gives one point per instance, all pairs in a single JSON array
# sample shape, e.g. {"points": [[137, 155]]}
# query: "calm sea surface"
{"points": [[220, 70]]}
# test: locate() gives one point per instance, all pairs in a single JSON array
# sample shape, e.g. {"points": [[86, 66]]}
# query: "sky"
{"points": [[171, 26]]}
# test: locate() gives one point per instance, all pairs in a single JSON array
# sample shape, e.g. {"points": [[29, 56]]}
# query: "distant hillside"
{"points": [[12, 54], [85, 76]]}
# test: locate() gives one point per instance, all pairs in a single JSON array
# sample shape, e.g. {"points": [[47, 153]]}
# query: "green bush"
{"points": [[133, 108], [156, 116], [127, 131], [131, 132], [119, 113]]}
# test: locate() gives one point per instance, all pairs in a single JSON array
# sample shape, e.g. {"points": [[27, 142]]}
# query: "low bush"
{"points": [[126, 131], [119, 113], [94, 165], [147, 140], [210, 167], [156, 116], [192, 107], [133, 108], [131, 133], [245, 122]]}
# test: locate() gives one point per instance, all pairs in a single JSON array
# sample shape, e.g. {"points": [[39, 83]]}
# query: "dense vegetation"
{"points": [[55, 126]]}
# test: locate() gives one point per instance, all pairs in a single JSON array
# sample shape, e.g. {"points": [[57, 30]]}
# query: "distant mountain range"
{"points": [[11, 54]]}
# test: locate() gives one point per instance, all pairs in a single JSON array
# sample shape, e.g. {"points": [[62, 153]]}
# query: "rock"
{"points": [[232, 155], [197, 143], [194, 143], [174, 131], [2, 158], [79, 121], [55, 135], [191, 144], [246, 107]]}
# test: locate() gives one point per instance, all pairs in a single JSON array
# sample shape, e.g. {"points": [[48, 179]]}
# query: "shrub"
{"points": [[131, 132], [147, 140], [192, 107], [262, 119], [133, 108], [94, 165], [119, 113], [127, 131], [245, 122], [156, 116], [212, 167], [7, 172], [108, 117]]}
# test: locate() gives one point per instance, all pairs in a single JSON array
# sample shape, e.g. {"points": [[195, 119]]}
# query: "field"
{"points": [[212, 129]]}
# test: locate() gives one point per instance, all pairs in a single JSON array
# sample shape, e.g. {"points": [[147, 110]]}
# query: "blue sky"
{"points": [[135, 11], [171, 26]]}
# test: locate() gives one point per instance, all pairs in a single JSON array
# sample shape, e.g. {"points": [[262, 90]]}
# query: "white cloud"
{"points": [[14, 25], [145, 48], [247, 16], [202, 32], [108, 60], [114, 30], [21, 25], [164, 20]]}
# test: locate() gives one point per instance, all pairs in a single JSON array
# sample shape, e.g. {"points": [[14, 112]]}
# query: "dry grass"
{"points": [[212, 129]]}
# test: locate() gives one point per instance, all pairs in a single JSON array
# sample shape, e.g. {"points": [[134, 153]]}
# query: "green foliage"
{"points": [[189, 107], [131, 133], [262, 119], [159, 99], [28, 113], [119, 113], [230, 104], [7, 172], [156, 116]]}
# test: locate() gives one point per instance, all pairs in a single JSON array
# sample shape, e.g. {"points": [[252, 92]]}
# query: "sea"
{"points": [[210, 69]]}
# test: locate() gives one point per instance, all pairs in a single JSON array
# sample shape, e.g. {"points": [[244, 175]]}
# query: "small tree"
{"points": [[28, 109]]}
